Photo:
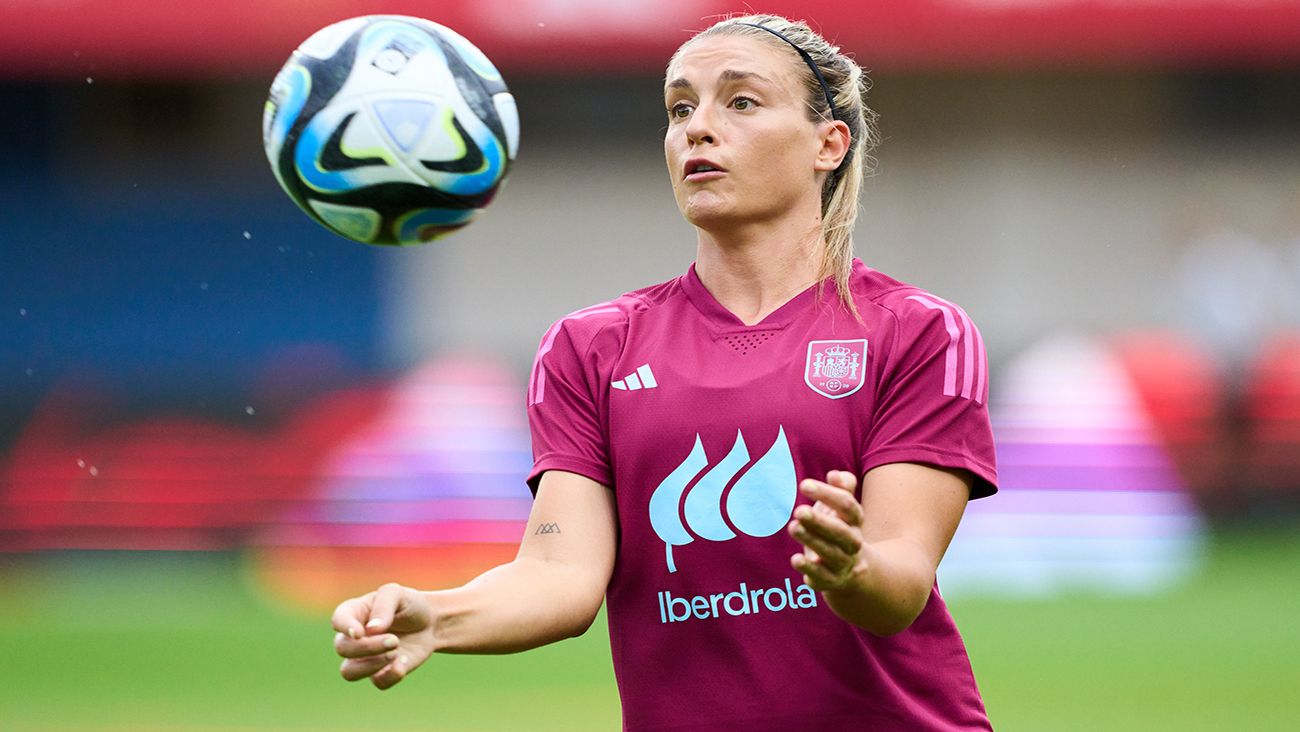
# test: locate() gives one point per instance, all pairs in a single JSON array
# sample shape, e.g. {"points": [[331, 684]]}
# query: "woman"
{"points": [[681, 433]]}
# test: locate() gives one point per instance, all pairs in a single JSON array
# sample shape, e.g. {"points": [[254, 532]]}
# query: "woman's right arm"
{"points": [[551, 591]]}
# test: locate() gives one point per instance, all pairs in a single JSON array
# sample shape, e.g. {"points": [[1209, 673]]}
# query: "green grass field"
{"points": [[182, 642]]}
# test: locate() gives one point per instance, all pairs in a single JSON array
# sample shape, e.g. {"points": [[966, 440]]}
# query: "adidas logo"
{"points": [[642, 378]]}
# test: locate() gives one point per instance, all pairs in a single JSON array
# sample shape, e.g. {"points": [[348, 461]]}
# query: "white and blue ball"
{"points": [[389, 129]]}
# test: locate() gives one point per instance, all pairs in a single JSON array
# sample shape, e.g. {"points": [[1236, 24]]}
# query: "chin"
{"points": [[706, 214], [708, 220], [720, 219]]}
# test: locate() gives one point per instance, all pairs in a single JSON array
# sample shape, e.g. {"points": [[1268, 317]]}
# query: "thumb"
{"points": [[383, 607], [413, 613]]}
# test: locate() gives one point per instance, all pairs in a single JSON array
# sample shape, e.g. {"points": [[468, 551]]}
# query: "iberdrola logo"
{"points": [[759, 503]]}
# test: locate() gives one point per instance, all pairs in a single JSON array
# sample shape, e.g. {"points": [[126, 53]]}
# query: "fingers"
{"points": [[363, 636], [843, 479], [383, 670], [829, 530], [354, 669], [825, 531], [350, 614], [837, 493], [816, 575], [822, 551], [394, 672], [373, 645]]}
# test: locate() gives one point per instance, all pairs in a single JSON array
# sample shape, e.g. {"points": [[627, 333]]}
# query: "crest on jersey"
{"points": [[834, 369]]}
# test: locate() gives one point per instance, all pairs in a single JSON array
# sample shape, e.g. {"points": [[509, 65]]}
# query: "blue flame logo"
{"points": [[759, 503]]}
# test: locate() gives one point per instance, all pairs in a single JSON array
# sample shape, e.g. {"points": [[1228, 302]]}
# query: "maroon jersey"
{"points": [[703, 426]]}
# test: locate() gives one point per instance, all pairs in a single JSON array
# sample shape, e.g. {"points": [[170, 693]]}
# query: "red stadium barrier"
{"points": [[77, 480], [1272, 410], [1186, 398], [90, 38]]}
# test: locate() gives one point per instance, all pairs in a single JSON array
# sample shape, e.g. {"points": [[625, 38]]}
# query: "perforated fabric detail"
{"points": [[745, 343]]}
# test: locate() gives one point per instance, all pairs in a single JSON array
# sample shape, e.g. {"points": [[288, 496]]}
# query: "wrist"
{"points": [[857, 584], [442, 615], [868, 598]]}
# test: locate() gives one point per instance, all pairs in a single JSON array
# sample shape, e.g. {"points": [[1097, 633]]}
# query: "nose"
{"points": [[699, 129]]}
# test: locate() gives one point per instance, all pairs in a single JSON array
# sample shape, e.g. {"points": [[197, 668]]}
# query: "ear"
{"points": [[836, 139]]}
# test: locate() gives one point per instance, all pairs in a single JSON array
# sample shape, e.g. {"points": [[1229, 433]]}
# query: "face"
{"points": [[740, 146]]}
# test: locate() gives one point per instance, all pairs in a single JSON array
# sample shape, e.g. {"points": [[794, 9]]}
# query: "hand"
{"points": [[384, 635], [830, 531]]}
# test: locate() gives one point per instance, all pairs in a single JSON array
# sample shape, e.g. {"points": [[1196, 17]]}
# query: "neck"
{"points": [[752, 271]]}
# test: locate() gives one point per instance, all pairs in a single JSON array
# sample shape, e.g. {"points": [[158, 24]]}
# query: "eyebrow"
{"points": [[726, 75]]}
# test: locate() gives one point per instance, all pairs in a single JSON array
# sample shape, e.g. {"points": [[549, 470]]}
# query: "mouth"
{"points": [[699, 169]]}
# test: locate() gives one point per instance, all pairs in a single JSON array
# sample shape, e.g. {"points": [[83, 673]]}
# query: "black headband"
{"points": [[826, 89], [830, 98]]}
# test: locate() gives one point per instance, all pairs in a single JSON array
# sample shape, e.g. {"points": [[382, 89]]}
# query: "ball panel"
{"points": [[355, 144], [508, 113], [354, 222], [289, 94], [473, 57], [389, 50], [474, 91], [421, 227], [322, 139], [326, 42], [405, 121], [325, 76]]}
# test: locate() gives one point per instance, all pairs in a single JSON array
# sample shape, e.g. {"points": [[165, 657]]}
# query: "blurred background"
{"points": [[217, 419]]}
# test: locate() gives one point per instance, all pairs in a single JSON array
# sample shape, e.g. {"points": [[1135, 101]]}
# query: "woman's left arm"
{"points": [[874, 560]]}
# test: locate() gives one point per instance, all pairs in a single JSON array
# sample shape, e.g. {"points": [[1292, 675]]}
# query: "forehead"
{"points": [[703, 61]]}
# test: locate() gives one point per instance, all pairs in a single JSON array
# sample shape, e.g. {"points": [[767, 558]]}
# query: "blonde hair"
{"points": [[847, 85]]}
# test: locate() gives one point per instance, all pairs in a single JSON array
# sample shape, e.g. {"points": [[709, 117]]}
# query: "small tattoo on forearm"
{"points": [[548, 529]]}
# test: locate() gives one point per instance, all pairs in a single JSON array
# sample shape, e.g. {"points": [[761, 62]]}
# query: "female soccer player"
{"points": [[759, 464]]}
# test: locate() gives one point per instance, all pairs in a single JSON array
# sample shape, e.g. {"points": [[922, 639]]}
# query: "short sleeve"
{"points": [[564, 416], [931, 404]]}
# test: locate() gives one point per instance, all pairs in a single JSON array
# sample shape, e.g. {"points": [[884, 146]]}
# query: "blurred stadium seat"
{"points": [[1089, 498]]}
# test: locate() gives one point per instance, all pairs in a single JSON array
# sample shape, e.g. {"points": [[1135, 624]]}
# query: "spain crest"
{"points": [[835, 369]]}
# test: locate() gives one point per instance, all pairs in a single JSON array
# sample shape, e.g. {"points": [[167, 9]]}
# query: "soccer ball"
{"points": [[389, 129]]}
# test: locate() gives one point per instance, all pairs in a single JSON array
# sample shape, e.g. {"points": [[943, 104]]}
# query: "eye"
{"points": [[743, 103], [680, 110]]}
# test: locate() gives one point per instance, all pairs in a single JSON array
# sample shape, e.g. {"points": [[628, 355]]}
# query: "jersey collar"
{"points": [[724, 320]]}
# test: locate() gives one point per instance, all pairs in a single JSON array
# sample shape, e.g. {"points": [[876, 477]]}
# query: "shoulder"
{"points": [[580, 346], [610, 318], [911, 317], [908, 307]]}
